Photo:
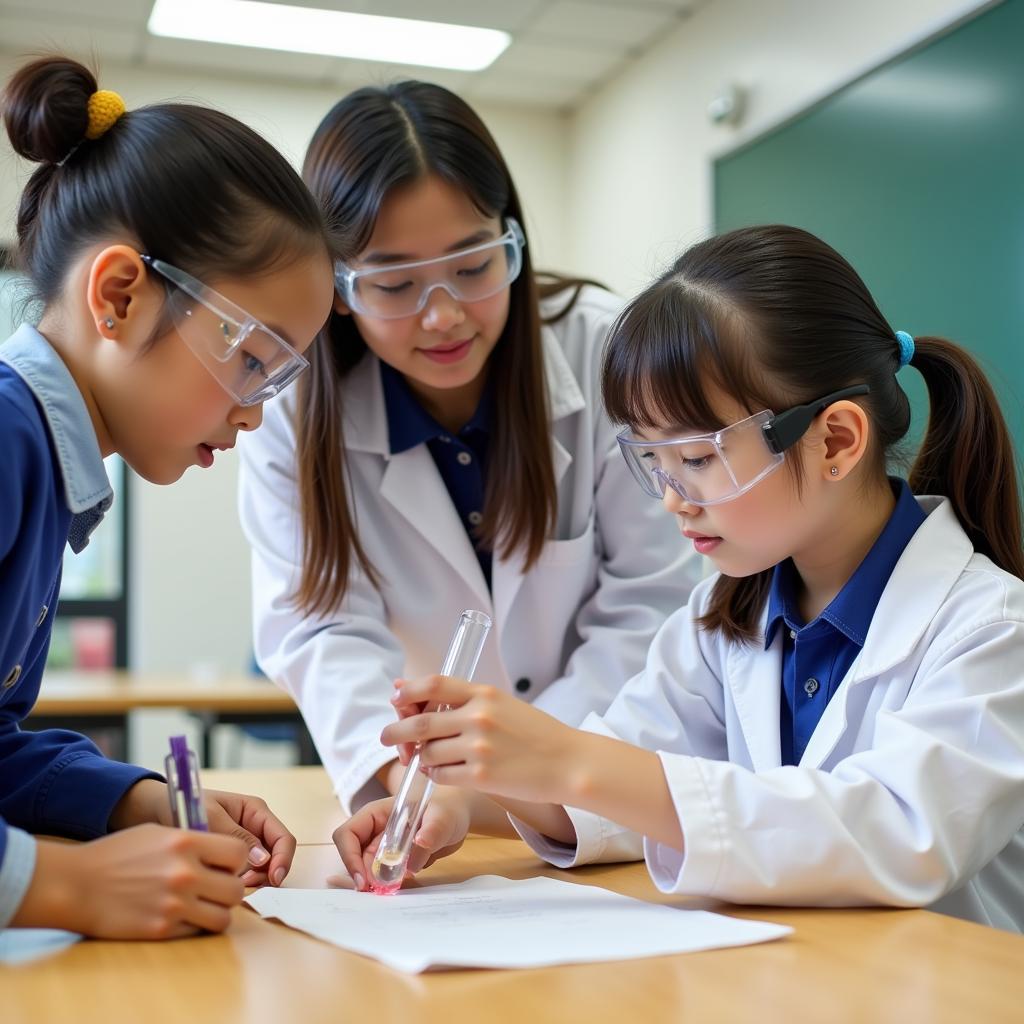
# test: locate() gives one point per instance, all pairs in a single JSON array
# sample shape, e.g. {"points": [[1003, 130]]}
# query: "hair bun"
{"points": [[46, 108]]}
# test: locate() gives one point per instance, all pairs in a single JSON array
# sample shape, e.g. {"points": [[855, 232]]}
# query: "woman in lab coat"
{"points": [[448, 450], [838, 716]]}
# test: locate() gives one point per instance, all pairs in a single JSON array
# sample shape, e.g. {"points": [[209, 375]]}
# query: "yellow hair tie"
{"points": [[105, 107]]}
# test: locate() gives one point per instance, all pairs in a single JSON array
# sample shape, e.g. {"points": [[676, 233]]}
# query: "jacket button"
{"points": [[522, 685], [42, 616], [12, 677], [811, 687]]}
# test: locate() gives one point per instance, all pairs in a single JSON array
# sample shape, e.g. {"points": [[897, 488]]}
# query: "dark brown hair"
{"points": [[189, 185], [372, 141], [774, 317]]}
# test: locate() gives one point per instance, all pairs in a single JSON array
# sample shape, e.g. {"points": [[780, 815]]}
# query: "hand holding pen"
{"points": [[147, 881], [271, 845]]}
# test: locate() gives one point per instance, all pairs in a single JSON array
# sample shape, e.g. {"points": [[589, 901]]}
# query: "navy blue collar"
{"points": [[852, 609], [409, 424]]}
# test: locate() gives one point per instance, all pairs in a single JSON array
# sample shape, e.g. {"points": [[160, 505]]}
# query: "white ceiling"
{"points": [[561, 49]]}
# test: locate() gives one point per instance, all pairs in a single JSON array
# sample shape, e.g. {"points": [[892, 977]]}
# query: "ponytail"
{"points": [[774, 317], [967, 454]]}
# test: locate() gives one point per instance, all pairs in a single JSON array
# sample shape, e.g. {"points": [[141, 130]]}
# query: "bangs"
{"points": [[674, 349]]}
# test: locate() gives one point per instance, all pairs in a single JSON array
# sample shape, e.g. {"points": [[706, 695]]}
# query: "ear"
{"points": [[119, 291], [846, 432], [339, 306]]}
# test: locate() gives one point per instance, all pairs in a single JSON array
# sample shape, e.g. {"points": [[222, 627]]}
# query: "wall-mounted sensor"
{"points": [[727, 105]]}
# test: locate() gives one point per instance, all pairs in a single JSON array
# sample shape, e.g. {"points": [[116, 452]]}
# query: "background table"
{"points": [[103, 699]]}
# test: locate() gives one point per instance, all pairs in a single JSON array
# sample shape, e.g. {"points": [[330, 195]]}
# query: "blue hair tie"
{"points": [[906, 344]]}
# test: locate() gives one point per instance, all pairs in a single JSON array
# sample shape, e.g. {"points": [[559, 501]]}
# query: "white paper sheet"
{"points": [[495, 922]]}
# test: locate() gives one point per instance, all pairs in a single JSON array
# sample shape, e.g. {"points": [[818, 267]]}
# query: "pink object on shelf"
{"points": [[92, 641]]}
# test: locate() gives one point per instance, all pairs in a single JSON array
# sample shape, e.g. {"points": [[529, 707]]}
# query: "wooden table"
{"points": [[102, 699], [903, 966]]}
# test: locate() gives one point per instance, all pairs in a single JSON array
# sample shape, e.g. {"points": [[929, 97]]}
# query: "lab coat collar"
{"points": [[929, 567], [932, 562], [564, 394], [412, 485]]}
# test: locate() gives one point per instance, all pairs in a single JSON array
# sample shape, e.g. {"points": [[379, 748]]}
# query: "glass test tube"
{"points": [[388, 868]]}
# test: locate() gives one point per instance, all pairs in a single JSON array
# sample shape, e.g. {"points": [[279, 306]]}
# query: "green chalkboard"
{"points": [[915, 174]]}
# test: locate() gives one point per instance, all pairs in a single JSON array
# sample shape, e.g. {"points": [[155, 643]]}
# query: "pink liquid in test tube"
{"points": [[388, 868]]}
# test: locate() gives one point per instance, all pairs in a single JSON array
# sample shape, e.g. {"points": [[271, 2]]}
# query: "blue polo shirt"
{"points": [[461, 458], [55, 492], [817, 655]]}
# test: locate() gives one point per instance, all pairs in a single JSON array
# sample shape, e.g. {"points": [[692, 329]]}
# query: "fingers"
{"points": [[282, 847], [434, 690], [422, 728], [201, 898], [256, 855], [219, 887], [208, 916], [443, 828], [461, 775], [442, 752], [445, 851], [227, 852], [271, 845], [357, 835]]}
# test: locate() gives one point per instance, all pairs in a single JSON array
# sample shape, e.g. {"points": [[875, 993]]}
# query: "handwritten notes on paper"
{"points": [[495, 922]]}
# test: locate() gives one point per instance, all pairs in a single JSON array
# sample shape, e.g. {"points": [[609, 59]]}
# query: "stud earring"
{"points": [[834, 470], [109, 323]]}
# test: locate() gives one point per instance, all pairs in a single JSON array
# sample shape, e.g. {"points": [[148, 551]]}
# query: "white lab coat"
{"points": [[576, 626], [911, 789]]}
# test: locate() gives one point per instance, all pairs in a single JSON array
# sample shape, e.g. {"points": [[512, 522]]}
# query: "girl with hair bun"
{"points": [[183, 269]]}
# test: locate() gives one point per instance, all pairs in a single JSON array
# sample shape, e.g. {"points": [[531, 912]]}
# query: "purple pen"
{"points": [[183, 789]]}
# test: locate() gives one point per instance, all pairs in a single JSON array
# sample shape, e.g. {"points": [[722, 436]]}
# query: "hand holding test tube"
{"points": [[388, 868]]}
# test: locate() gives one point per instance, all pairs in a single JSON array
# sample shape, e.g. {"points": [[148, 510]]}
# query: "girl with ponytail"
{"points": [[837, 717]]}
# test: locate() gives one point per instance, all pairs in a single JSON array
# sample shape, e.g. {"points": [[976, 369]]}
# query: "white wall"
{"points": [[615, 191], [641, 149], [190, 582]]}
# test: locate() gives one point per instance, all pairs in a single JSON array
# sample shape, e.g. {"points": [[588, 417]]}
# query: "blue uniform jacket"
{"points": [[53, 490]]}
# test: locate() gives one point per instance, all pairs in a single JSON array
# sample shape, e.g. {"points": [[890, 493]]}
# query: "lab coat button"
{"points": [[792, 634], [12, 677], [522, 685], [811, 687], [475, 518], [464, 458]]}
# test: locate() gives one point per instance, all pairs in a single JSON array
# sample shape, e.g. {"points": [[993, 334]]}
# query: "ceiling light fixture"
{"points": [[272, 26]]}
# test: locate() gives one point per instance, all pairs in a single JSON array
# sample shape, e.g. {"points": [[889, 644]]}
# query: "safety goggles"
{"points": [[250, 361], [708, 469], [391, 291]]}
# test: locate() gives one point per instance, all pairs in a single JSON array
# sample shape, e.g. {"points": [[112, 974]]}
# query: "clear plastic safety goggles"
{"points": [[708, 469], [391, 291], [250, 361]]}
